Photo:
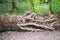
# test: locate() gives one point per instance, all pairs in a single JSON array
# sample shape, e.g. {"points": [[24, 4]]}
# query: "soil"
{"points": [[46, 35]]}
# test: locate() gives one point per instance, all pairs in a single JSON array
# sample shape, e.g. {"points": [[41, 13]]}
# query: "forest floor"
{"points": [[46, 35]]}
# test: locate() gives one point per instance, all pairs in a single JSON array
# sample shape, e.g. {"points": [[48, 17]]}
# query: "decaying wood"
{"points": [[16, 22], [37, 25], [31, 29]]}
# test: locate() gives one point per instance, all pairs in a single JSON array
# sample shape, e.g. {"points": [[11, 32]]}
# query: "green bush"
{"points": [[55, 5], [27, 5], [42, 8], [23, 6]]}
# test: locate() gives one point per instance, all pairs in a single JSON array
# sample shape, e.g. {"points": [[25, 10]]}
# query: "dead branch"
{"points": [[37, 25], [30, 29]]}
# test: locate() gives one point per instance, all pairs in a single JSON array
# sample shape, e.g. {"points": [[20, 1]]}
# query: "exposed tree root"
{"points": [[37, 25], [45, 21]]}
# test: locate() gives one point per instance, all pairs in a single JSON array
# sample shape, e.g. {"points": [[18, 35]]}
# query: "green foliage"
{"points": [[6, 14], [36, 2], [5, 6], [22, 7], [55, 5], [32, 5], [42, 8], [4, 1], [29, 5]]}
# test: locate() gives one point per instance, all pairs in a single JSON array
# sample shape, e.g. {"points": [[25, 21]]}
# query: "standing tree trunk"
{"points": [[51, 7], [13, 5], [32, 5]]}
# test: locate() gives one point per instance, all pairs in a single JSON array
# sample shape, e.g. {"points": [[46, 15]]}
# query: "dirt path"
{"points": [[54, 35]]}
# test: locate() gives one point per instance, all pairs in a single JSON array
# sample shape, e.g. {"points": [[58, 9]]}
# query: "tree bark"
{"points": [[51, 7]]}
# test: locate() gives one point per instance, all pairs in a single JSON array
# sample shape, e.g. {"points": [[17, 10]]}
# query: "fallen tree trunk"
{"points": [[16, 22]]}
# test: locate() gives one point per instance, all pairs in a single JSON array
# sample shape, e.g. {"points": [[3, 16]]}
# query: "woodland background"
{"points": [[37, 6], [41, 20]]}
